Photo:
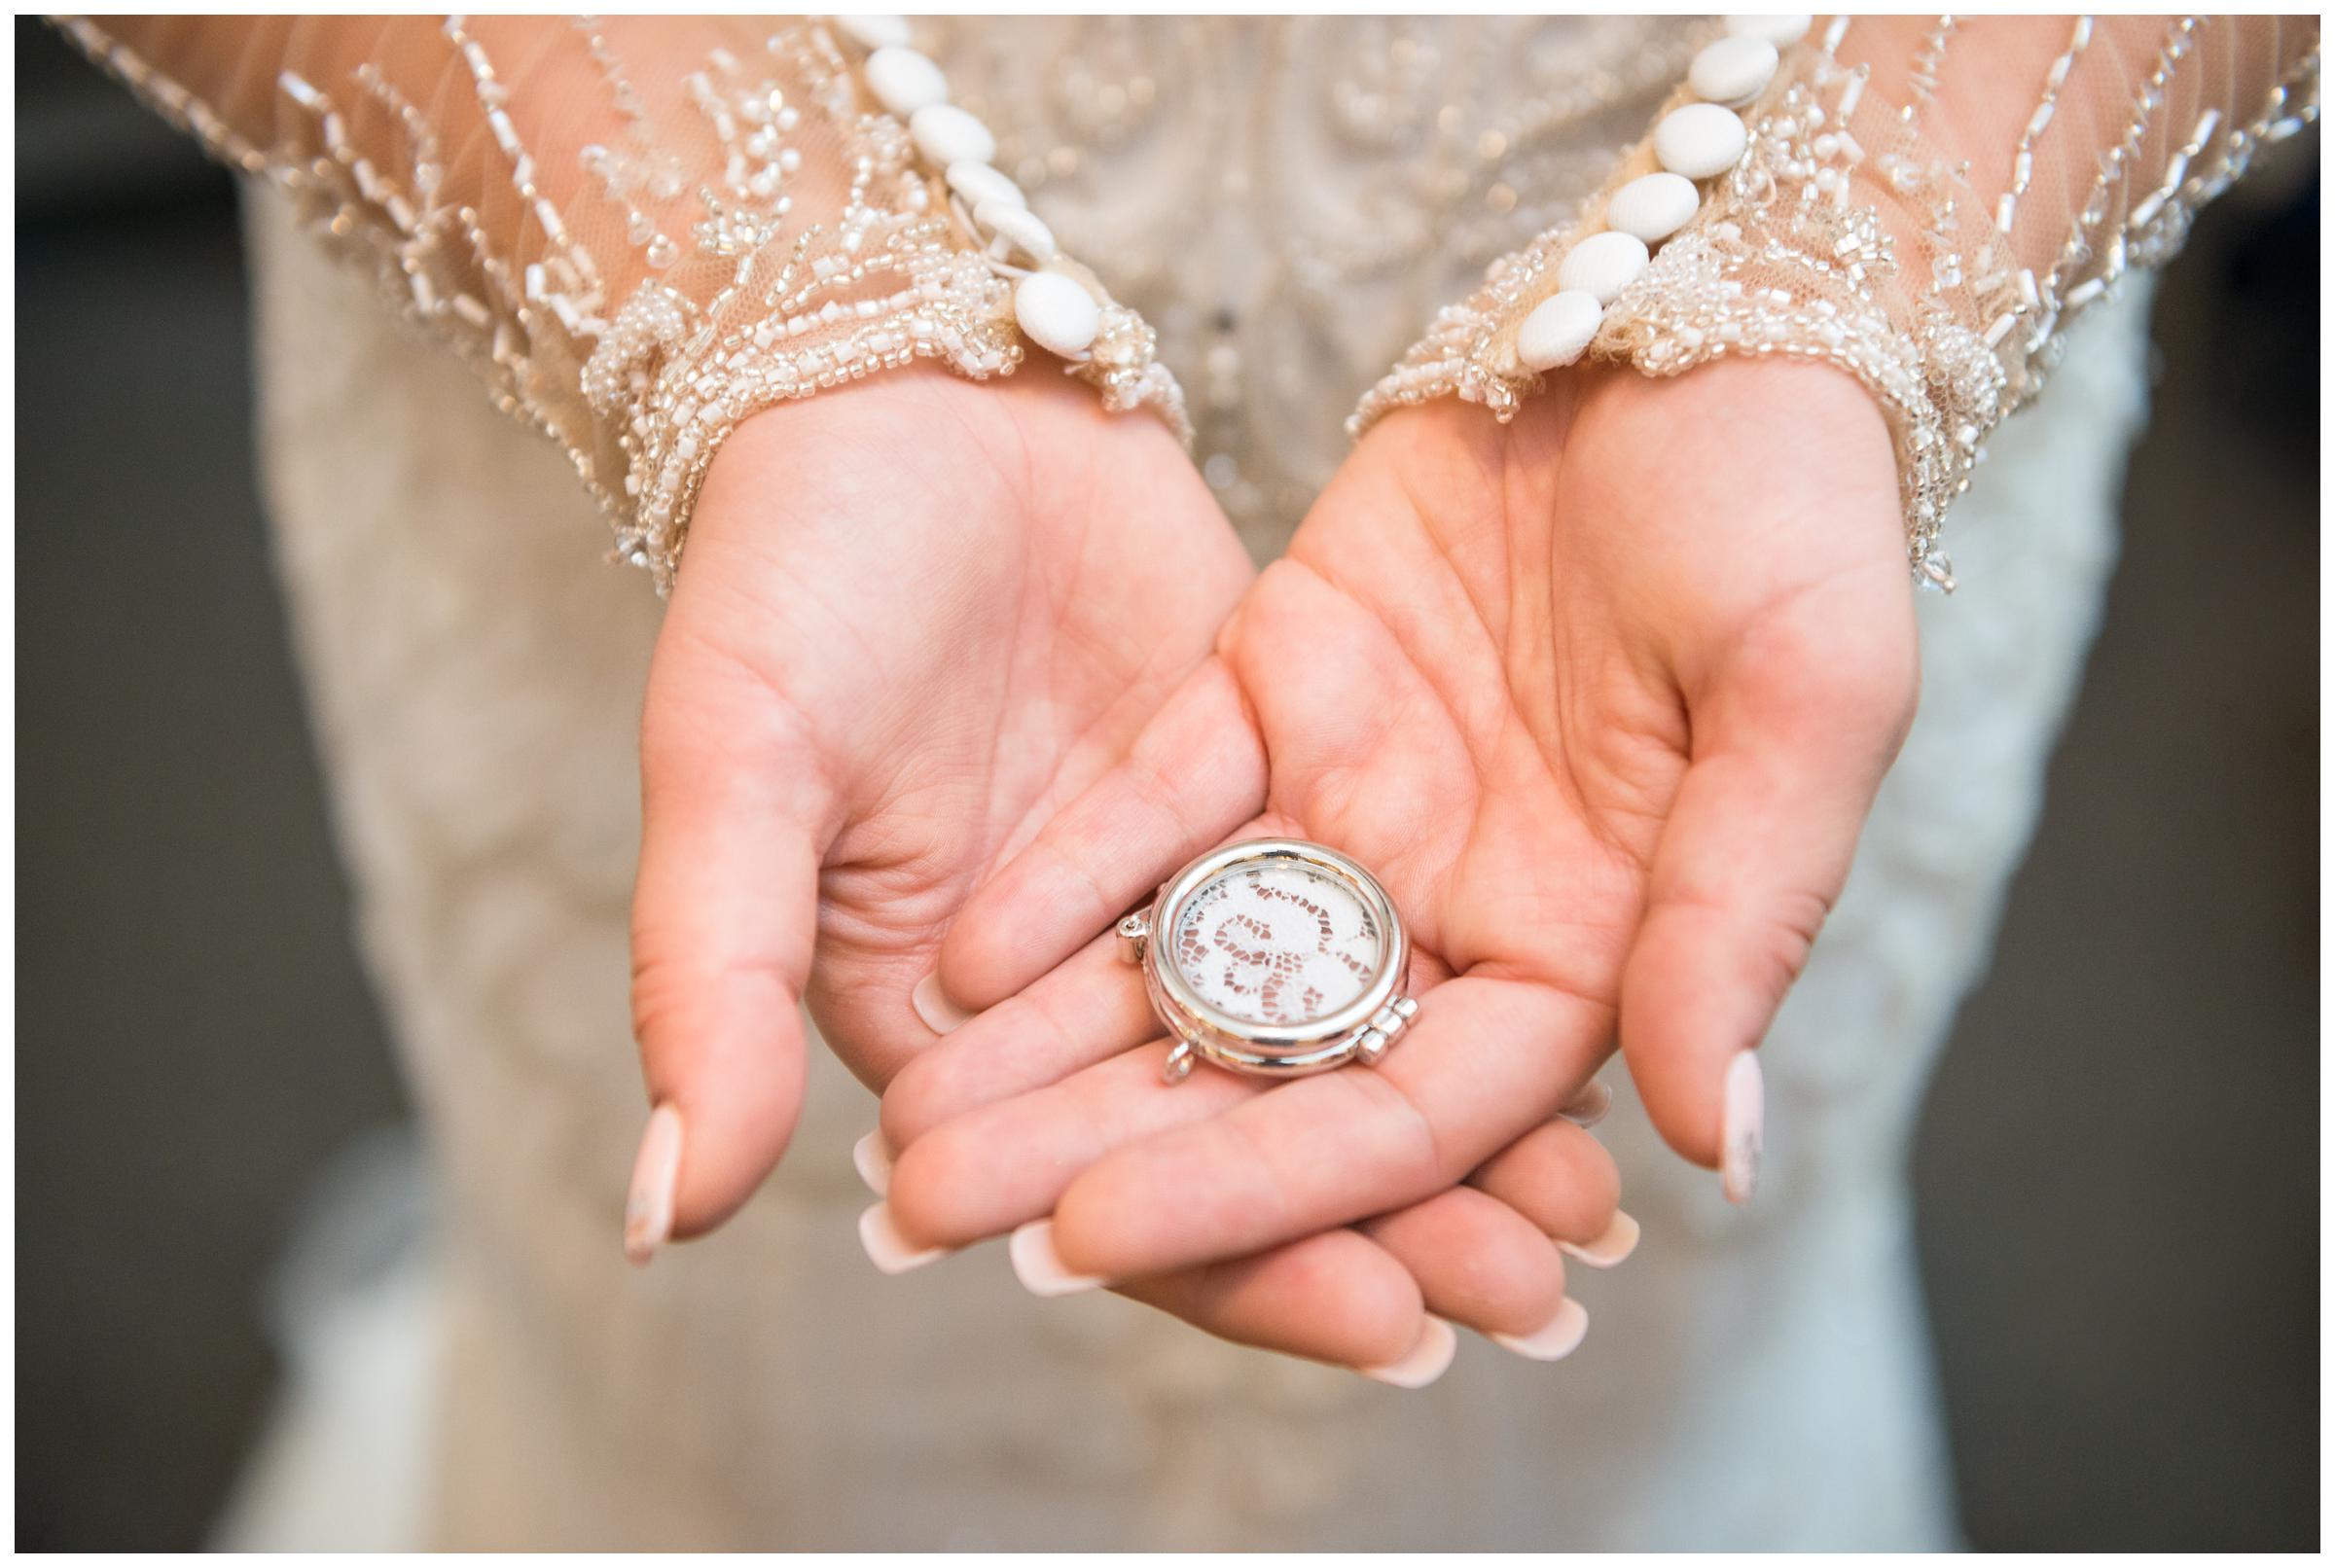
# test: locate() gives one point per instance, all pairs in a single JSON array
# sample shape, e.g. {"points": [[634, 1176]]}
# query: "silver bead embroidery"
{"points": [[676, 333], [1790, 255]]}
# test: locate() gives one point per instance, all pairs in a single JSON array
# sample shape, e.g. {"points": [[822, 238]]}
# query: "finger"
{"points": [[723, 918], [1089, 1010], [1486, 1059], [1337, 1297], [1564, 1182], [1789, 750], [1472, 1259], [1478, 1263], [1195, 772], [1006, 1163]]}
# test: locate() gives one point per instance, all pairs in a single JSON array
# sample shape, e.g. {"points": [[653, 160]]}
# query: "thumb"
{"points": [[724, 914], [1789, 753]]}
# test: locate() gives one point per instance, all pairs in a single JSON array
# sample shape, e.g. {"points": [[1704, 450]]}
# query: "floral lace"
{"points": [[1856, 229], [636, 247], [642, 232]]}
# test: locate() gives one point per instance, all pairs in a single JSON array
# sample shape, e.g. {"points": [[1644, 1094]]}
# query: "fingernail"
{"points": [[889, 1250], [1559, 1338], [1740, 1127], [656, 1172], [874, 1163], [1428, 1359], [1040, 1267], [1618, 1241], [1589, 1107], [940, 1015]]}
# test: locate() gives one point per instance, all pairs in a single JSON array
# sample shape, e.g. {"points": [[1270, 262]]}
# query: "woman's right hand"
{"points": [[915, 616]]}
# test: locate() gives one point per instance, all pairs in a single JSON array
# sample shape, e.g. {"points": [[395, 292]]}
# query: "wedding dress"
{"points": [[1284, 202]]}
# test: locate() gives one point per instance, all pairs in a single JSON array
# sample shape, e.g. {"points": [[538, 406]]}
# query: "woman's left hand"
{"points": [[1603, 696]]}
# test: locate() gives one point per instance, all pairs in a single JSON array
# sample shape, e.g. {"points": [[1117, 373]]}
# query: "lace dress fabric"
{"points": [[1751, 1380]]}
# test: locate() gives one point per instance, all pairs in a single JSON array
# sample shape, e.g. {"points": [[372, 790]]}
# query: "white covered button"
{"points": [[1019, 226], [1059, 316], [1699, 140], [1558, 328], [1733, 70], [1653, 207], [978, 183], [905, 81], [1782, 31], [1603, 266], [875, 30], [947, 134]]}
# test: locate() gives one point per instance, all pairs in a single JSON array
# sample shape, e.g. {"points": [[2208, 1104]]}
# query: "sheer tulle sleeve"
{"points": [[1927, 204], [643, 231]]}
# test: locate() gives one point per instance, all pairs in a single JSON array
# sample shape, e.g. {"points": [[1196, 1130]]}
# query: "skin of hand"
{"points": [[1601, 695], [914, 617]]}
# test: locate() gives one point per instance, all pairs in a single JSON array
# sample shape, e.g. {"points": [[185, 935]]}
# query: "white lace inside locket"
{"points": [[1275, 956], [1279, 943]]}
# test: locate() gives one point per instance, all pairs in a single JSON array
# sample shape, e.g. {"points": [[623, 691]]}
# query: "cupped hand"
{"points": [[914, 617], [1601, 695]]}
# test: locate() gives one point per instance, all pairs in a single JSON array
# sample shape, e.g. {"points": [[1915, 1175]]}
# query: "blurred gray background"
{"points": [[2119, 1159]]}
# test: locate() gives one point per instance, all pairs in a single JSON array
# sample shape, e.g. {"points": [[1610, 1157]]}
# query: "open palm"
{"points": [[913, 618], [1601, 697], [917, 618]]}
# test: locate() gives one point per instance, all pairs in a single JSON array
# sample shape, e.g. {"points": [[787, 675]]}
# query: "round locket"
{"points": [[1272, 957]]}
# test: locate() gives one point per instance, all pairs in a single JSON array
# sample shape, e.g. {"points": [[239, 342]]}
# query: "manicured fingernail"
{"points": [[1741, 1122], [1428, 1359], [1618, 1241], [656, 1172], [874, 1163], [1559, 1338], [1589, 1107], [940, 1015], [1040, 1267], [889, 1250]]}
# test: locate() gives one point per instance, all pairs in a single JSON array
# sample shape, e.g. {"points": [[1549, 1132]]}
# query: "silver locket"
{"points": [[1273, 956]]}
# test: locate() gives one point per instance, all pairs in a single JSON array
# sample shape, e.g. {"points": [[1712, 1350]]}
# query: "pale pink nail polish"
{"points": [[1040, 1267], [889, 1250], [1589, 1107], [940, 1015], [1557, 1339], [874, 1163], [656, 1173], [1618, 1242], [1427, 1360], [1742, 1127]]}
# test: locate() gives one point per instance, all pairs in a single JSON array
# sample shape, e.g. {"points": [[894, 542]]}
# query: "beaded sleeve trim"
{"points": [[1837, 234], [622, 350]]}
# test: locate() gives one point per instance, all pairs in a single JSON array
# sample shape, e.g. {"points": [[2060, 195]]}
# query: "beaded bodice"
{"points": [[1286, 199]]}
